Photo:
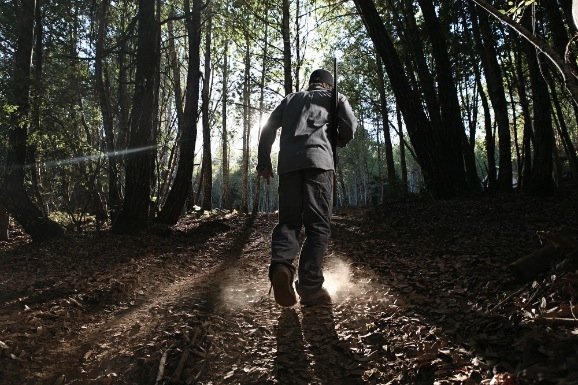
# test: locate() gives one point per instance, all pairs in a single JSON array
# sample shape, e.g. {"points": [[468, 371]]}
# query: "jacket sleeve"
{"points": [[346, 122], [268, 135]]}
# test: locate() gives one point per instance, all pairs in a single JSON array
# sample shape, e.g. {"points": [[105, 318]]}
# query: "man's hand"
{"points": [[266, 173]]}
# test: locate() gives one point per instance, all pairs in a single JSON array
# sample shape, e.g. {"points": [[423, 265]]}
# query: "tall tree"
{"points": [[285, 31], [493, 76], [103, 90], [226, 194], [391, 179], [4, 223], [246, 124], [540, 182], [14, 194], [207, 157], [134, 215], [181, 186], [437, 148]]}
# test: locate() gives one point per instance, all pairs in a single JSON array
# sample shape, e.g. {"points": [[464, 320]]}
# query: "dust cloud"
{"points": [[341, 281]]}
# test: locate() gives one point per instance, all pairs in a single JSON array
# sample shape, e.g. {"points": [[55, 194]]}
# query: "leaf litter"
{"points": [[423, 293]]}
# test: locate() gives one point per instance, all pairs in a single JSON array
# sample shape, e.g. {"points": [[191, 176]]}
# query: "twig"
{"points": [[557, 321], [181, 365], [507, 298], [162, 365]]}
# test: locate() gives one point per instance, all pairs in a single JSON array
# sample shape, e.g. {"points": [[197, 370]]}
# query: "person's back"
{"points": [[306, 173]]}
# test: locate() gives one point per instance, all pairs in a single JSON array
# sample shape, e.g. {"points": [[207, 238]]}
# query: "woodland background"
{"points": [[137, 112]]}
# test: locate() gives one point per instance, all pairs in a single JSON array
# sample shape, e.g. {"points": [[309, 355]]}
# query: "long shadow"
{"points": [[291, 363], [499, 342], [334, 363]]}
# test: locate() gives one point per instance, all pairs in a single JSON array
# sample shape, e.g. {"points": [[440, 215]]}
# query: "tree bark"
{"points": [[540, 182], [435, 156], [226, 198], [391, 178], [103, 91], [181, 187], [134, 215], [493, 76], [4, 223], [286, 48], [452, 130], [489, 136], [402, 159], [13, 194], [246, 126], [207, 156]]}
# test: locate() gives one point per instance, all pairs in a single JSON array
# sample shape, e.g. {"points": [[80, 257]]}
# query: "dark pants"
{"points": [[305, 199]]}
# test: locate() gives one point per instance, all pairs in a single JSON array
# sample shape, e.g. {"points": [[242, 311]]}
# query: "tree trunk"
{"points": [[226, 198], [286, 48], [13, 194], [36, 102], [246, 126], [402, 160], [4, 223], [297, 45], [257, 200], [563, 129], [436, 154], [207, 156], [528, 137], [452, 131], [226, 194], [540, 183], [493, 76], [103, 91], [489, 136], [391, 179], [181, 187], [134, 215], [123, 94]]}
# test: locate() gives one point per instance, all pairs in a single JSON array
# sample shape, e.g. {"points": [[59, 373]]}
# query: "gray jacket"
{"points": [[304, 117]]}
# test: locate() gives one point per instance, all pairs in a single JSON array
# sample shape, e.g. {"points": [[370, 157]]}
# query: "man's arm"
{"points": [[347, 123], [266, 139]]}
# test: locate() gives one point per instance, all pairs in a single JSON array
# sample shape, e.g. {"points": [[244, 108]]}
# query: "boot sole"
{"points": [[283, 288]]}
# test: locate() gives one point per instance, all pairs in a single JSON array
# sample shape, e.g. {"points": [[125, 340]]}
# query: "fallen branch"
{"points": [[162, 366], [555, 321]]}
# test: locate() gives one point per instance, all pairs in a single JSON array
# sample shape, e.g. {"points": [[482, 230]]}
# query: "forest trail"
{"points": [[421, 295]]}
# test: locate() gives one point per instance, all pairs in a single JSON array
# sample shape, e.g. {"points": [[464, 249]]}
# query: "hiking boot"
{"points": [[319, 297], [282, 282]]}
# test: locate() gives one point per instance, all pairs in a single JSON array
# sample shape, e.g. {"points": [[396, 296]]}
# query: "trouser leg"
{"points": [[317, 206], [285, 237]]}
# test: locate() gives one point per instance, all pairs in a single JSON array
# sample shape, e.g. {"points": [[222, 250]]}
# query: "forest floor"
{"points": [[422, 294]]}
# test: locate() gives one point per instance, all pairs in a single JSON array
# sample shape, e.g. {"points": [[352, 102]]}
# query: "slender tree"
{"points": [[181, 186], [114, 199], [391, 178], [207, 156], [226, 194], [134, 215], [285, 31], [493, 76]]}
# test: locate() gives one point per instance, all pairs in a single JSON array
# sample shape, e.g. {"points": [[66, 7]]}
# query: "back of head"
{"points": [[321, 76]]}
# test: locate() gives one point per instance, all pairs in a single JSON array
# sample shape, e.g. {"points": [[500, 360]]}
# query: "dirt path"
{"points": [[418, 298]]}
